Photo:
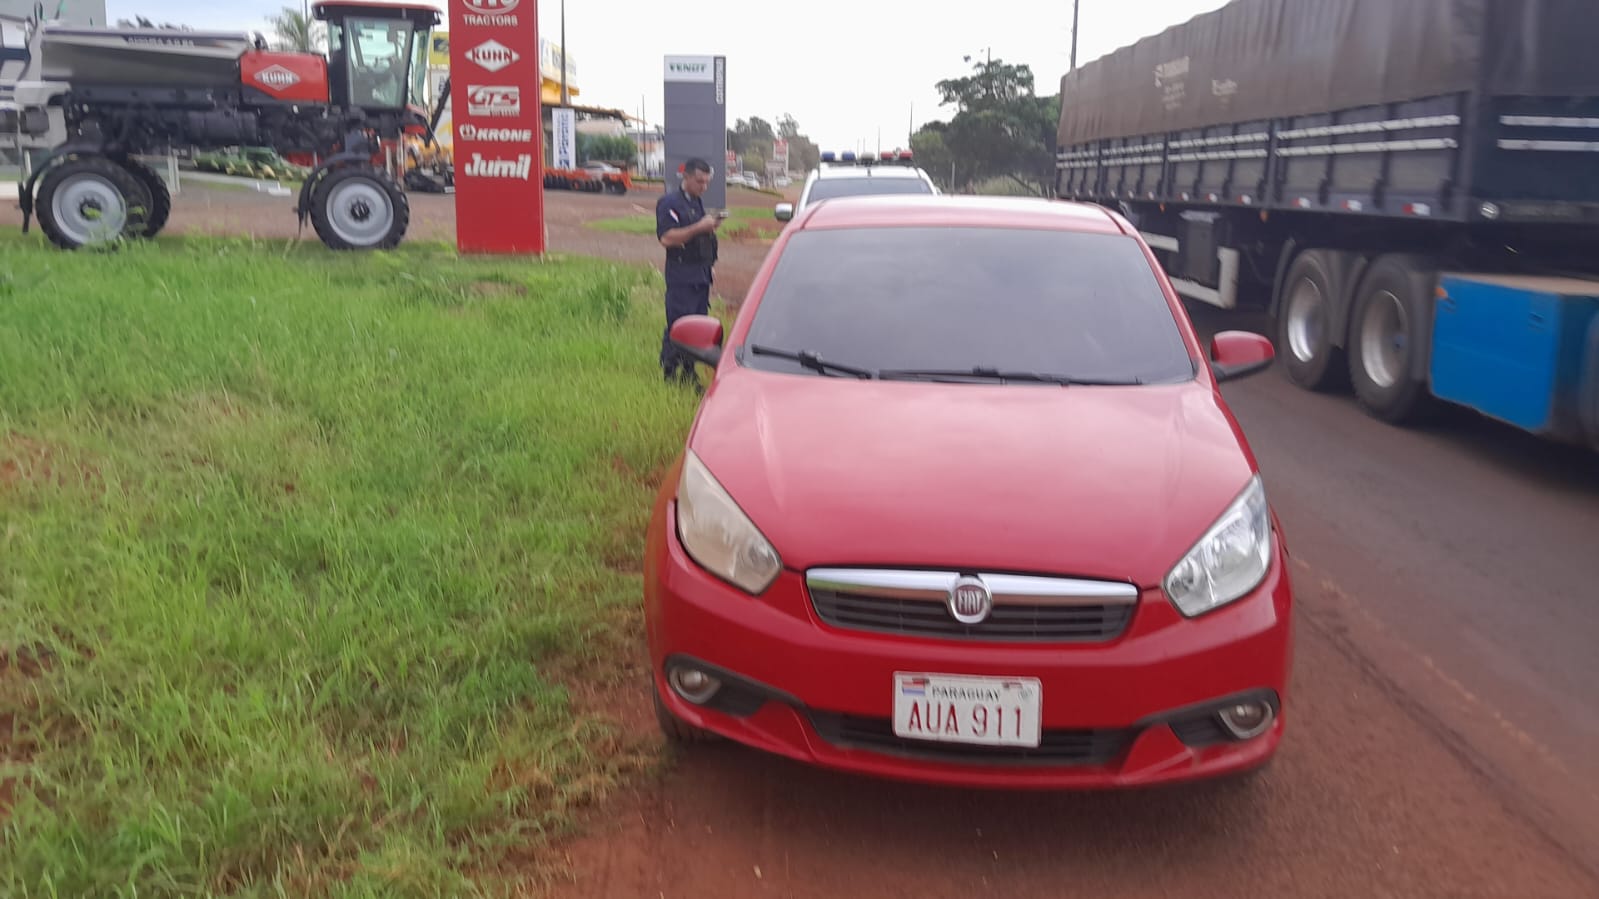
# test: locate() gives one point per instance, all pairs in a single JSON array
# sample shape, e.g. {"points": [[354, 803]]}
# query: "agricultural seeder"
{"points": [[94, 99]]}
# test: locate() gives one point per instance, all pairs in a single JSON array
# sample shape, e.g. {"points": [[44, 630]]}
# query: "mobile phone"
{"points": [[721, 213]]}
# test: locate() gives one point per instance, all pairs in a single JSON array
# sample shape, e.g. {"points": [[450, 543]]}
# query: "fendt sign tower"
{"points": [[696, 120]]}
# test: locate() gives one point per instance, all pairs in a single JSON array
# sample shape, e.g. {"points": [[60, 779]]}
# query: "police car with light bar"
{"points": [[846, 175]]}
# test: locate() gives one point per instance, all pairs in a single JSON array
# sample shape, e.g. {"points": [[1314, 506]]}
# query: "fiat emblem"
{"points": [[970, 601]]}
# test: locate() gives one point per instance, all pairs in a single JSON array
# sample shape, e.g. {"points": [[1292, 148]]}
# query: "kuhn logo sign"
{"points": [[491, 12], [468, 131], [277, 78], [494, 100], [492, 55], [520, 168]]}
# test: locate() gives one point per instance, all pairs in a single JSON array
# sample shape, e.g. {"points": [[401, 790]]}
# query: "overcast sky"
{"points": [[843, 69]]}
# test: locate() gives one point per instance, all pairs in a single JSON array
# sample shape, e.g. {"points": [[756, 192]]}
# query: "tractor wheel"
{"points": [[160, 197], [90, 200], [359, 209]]}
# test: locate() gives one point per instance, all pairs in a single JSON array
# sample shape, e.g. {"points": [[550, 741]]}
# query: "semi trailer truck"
{"points": [[1410, 189]]}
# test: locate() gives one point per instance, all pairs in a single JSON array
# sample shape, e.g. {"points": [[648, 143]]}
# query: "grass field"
{"points": [[296, 550], [742, 221]]}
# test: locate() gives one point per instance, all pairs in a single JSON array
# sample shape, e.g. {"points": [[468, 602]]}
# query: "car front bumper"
{"points": [[1137, 710]]}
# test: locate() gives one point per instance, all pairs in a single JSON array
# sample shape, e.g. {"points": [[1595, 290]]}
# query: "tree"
{"points": [[296, 32], [752, 139], [803, 154], [1000, 129], [933, 155], [992, 84], [606, 148]]}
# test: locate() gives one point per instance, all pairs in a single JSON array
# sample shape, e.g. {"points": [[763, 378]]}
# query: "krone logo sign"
{"points": [[469, 131]]}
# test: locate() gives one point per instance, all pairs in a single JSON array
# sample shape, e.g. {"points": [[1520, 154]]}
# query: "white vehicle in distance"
{"points": [[843, 175]]}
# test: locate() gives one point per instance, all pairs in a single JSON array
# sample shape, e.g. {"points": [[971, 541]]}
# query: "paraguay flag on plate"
{"points": [[913, 686]]}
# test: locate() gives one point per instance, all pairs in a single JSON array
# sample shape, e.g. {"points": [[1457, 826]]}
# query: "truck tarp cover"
{"points": [[1262, 59]]}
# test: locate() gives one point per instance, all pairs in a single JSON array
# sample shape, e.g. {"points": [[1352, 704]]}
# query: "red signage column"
{"points": [[499, 131]]}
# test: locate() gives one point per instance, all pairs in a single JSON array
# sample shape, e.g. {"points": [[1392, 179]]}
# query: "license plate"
{"points": [[983, 711]]}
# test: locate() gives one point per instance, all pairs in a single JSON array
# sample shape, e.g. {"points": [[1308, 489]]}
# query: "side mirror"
{"points": [[784, 212], [1239, 354], [699, 337]]}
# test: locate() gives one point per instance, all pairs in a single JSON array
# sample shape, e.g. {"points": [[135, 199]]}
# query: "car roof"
{"points": [[945, 211], [867, 171]]}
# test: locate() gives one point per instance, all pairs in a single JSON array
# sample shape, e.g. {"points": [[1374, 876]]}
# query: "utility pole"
{"points": [[566, 98], [1074, 34]]}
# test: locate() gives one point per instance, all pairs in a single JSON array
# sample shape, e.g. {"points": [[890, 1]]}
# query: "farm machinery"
{"points": [[94, 99]]}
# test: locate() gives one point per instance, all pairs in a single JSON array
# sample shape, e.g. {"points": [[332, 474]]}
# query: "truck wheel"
{"points": [[359, 209], [1386, 335], [90, 200], [160, 196], [1305, 325]]}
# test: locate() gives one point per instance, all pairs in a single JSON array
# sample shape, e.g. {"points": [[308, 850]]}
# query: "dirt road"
{"points": [[1442, 722]]}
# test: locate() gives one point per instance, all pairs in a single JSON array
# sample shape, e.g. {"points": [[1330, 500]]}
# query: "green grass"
{"points": [[740, 219], [297, 551]]}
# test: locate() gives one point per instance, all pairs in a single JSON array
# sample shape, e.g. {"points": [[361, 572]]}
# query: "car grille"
{"points": [[1057, 747], [1011, 622]]}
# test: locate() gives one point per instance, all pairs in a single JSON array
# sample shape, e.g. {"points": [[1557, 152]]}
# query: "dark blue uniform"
{"points": [[688, 273]]}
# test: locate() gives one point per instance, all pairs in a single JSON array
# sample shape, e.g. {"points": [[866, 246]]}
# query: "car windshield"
{"points": [[1056, 304], [833, 188]]}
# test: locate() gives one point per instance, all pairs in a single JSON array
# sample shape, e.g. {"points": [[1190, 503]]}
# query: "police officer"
{"points": [[689, 236]]}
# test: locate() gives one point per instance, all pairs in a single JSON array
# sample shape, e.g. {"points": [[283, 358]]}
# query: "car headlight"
{"points": [[1229, 561], [718, 535]]}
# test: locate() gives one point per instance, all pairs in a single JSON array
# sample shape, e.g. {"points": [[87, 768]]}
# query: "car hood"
{"points": [[1097, 482]]}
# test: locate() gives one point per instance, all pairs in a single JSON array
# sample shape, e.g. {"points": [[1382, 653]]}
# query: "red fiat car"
{"points": [[963, 504]]}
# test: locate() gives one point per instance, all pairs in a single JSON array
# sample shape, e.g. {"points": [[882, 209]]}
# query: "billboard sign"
{"points": [[696, 119], [499, 176], [563, 152]]}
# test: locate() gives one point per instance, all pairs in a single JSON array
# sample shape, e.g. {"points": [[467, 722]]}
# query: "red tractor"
{"points": [[96, 98]]}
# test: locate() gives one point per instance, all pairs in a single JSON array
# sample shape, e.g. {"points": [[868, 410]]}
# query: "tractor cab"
{"points": [[377, 53]]}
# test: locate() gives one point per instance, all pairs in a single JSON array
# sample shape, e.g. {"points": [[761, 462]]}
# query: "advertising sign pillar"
{"points": [[563, 141], [499, 130], [696, 119]]}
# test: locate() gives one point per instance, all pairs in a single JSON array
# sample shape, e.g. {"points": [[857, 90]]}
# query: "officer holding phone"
{"points": [[689, 236]]}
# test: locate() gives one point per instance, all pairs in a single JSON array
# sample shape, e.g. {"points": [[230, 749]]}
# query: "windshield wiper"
{"points": [[995, 374], [812, 361]]}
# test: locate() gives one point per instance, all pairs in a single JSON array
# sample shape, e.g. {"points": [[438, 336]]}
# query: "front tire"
{"points": [[1386, 336], [91, 201], [359, 209]]}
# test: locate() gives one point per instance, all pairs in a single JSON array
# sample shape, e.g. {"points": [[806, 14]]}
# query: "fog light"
{"points": [[1490, 211], [1246, 720], [693, 684]]}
